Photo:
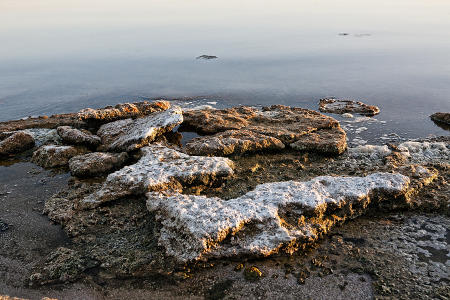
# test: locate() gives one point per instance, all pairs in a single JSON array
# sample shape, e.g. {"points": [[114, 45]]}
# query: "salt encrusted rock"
{"points": [[123, 111], [96, 163], [340, 106], [210, 121], [274, 217], [420, 152], [15, 143], [414, 152], [44, 136], [441, 117], [332, 141], [75, 136], [161, 168], [287, 124], [50, 156], [232, 142], [131, 134]]}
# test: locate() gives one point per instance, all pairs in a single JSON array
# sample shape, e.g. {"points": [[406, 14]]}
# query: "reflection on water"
{"points": [[59, 56]]}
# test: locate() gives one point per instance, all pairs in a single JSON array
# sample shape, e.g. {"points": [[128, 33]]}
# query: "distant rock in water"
{"points": [[15, 142], [206, 57], [341, 106], [441, 118]]}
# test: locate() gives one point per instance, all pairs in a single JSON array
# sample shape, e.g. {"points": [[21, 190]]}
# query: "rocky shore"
{"points": [[264, 202]]}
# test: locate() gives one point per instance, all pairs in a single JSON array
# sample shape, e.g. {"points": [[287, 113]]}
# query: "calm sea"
{"points": [[60, 56]]}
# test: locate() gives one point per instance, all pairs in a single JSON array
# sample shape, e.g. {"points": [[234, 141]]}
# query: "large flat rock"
{"points": [[263, 129], [232, 142], [274, 217], [131, 134], [122, 111], [159, 169]]}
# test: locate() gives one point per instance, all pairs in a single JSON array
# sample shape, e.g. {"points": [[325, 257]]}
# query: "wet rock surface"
{"points": [[51, 122], [15, 143], [75, 136], [122, 111], [159, 169], [96, 163], [341, 106], [50, 156], [308, 130], [131, 134]]}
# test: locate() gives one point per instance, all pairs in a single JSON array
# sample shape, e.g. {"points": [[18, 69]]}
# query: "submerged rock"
{"points": [[441, 117], [96, 163], [75, 136], [15, 143], [340, 106], [131, 134], [289, 125], [122, 111], [274, 217], [50, 156], [232, 142], [161, 168]]}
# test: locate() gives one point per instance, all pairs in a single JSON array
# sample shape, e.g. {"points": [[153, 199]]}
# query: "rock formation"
{"points": [[274, 217], [96, 163], [232, 142], [441, 117], [340, 106], [131, 134], [15, 142], [307, 129], [75, 136], [161, 168], [50, 156], [122, 111]]}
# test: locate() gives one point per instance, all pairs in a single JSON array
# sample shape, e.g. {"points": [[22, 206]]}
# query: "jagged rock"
{"points": [[123, 111], [160, 168], [441, 117], [132, 134], [340, 106], [274, 217], [96, 163], [332, 141], [210, 121], [75, 136], [50, 156], [232, 142], [15, 143], [287, 124]]}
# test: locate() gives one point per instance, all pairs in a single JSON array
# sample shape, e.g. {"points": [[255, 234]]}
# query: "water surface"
{"points": [[60, 56]]}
